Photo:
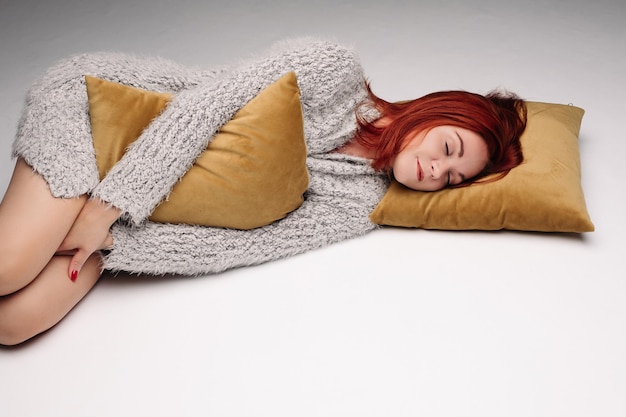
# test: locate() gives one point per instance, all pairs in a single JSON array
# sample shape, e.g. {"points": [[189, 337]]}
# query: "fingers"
{"points": [[89, 233], [81, 255], [77, 262]]}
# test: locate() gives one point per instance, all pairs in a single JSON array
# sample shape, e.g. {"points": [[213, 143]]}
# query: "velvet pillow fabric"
{"points": [[251, 174], [543, 194]]}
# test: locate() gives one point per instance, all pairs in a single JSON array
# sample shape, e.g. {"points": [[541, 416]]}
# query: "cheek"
{"points": [[476, 168], [436, 185], [482, 164], [476, 162]]}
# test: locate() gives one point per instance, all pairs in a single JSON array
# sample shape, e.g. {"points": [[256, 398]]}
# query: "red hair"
{"points": [[498, 117]]}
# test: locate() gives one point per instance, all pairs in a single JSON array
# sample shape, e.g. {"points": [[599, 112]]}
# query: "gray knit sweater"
{"points": [[54, 137]]}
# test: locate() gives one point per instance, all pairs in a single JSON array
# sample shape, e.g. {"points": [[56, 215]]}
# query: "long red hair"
{"points": [[498, 117]]}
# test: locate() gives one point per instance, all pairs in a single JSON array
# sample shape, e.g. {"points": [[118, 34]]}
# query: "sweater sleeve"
{"points": [[190, 250], [171, 143], [54, 132]]}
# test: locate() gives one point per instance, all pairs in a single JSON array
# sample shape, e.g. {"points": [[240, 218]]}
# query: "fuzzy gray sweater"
{"points": [[54, 137]]}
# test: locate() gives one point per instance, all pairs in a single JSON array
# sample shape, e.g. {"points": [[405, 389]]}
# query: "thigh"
{"points": [[33, 224]]}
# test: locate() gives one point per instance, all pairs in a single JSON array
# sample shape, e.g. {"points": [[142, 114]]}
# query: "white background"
{"points": [[397, 323]]}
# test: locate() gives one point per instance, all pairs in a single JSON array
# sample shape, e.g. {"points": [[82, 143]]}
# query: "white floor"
{"points": [[398, 323]]}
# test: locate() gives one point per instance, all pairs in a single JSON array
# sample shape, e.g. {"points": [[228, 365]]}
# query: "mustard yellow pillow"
{"points": [[543, 194], [252, 173]]}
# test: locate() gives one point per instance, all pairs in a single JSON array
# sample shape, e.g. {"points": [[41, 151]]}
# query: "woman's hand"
{"points": [[89, 233]]}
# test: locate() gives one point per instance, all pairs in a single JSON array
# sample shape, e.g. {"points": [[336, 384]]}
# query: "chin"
{"points": [[413, 187]]}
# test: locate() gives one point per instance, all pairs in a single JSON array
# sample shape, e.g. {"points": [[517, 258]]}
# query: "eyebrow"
{"points": [[462, 150]]}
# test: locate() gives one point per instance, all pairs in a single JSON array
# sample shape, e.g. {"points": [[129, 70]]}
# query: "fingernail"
{"points": [[74, 275]]}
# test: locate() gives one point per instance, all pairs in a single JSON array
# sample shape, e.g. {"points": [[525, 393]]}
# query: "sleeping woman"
{"points": [[62, 225]]}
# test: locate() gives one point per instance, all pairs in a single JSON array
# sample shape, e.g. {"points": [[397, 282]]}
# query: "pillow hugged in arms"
{"points": [[252, 173], [543, 194]]}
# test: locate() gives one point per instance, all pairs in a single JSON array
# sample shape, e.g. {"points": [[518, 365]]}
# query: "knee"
{"points": [[11, 274], [7, 275], [11, 336], [15, 325], [18, 321], [17, 268]]}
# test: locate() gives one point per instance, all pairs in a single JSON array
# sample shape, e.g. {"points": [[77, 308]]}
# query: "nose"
{"points": [[437, 168]]}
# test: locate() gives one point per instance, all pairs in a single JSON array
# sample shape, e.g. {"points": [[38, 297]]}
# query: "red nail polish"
{"points": [[74, 275]]}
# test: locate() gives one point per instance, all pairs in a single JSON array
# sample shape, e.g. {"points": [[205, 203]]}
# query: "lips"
{"points": [[420, 172]]}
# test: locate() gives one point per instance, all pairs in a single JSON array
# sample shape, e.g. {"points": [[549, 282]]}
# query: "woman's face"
{"points": [[442, 156]]}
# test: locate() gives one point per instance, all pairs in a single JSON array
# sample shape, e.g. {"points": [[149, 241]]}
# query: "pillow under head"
{"points": [[543, 194]]}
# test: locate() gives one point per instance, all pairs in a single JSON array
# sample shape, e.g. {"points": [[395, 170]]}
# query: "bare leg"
{"points": [[46, 300], [35, 292], [33, 224]]}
